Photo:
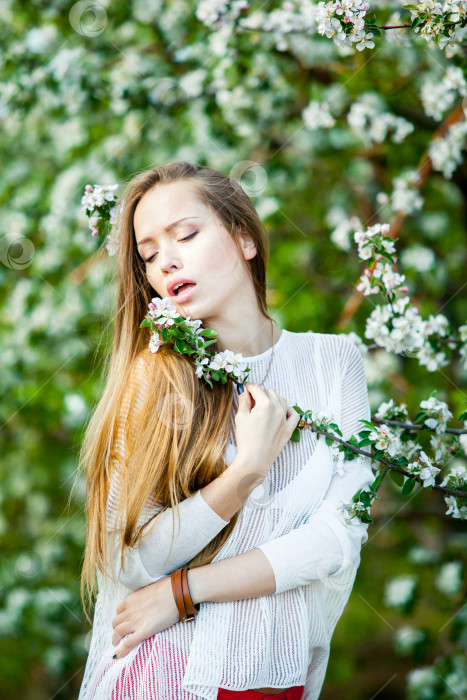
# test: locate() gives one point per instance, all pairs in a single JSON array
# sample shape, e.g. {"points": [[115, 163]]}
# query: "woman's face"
{"points": [[197, 248]]}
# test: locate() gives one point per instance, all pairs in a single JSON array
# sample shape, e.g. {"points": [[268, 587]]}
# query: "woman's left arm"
{"points": [[322, 547]]}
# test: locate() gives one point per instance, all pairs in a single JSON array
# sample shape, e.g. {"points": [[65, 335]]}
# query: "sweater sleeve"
{"points": [[155, 554], [326, 545]]}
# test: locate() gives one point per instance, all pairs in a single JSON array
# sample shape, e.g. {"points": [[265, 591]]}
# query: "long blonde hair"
{"points": [[166, 464]]}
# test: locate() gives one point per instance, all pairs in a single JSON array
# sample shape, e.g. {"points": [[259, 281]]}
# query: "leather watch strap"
{"points": [[177, 589], [190, 607]]}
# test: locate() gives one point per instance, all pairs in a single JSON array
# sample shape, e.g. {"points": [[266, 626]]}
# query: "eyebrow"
{"points": [[167, 228]]}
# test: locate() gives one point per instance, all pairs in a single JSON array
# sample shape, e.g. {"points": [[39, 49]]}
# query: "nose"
{"points": [[168, 260]]}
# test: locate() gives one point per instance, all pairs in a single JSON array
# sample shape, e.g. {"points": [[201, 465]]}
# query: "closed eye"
{"points": [[192, 235]]}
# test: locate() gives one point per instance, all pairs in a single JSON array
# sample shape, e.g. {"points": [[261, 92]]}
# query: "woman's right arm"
{"points": [[202, 516], [261, 434]]}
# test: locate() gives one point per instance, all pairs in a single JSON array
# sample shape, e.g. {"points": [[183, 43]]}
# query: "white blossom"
{"points": [[406, 637], [368, 121], [212, 12], [439, 95], [418, 257], [399, 590], [405, 196], [423, 680], [446, 152], [316, 115], [384, 439], [449, 578], [438, 414]]}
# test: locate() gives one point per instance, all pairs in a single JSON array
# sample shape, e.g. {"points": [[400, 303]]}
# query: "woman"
{"points": [[271, 560]]}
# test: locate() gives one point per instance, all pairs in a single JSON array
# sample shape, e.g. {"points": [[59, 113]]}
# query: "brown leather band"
{"points": [[177, 589], [190, 607]]}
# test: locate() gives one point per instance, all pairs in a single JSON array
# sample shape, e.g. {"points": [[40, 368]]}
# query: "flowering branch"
{"points": [[385, 445], [99, 204], [414, 426], [187, 337], [397, 326], [344, 21]]}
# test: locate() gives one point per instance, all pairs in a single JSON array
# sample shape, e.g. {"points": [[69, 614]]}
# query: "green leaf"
{"points": [[164, 334], [376, 482], [356, 496], [368, 423], [365, 442], [366, 518], [365, 498], [397, 477], [295, 437], [463, 416], [329, 440], [179, 345], [408, 486], [421, 415], [208, 333], [145, 322]]}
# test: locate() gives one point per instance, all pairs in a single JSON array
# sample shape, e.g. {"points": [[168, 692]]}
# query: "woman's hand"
{"points": [[264, 424], [143, 613]]}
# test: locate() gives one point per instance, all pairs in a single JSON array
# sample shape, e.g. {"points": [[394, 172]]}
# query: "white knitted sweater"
{"points": [[278, 640]]}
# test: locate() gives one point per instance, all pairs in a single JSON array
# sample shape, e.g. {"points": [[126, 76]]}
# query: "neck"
{"points": [[255, 334]]}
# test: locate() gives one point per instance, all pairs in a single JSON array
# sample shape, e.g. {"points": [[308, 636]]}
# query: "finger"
{"points": [[245, 402], [127, 645], [293, 418], [118, 619], [279, 401], [121, 631], [257, 392]]}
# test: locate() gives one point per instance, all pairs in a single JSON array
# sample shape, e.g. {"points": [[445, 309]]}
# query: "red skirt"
{"points": [[294, 693]]}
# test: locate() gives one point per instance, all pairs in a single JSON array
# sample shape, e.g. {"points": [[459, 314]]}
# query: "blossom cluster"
{"points": [[316, 115], [438, 95], [187, 334], [374, 244], [463, 344], [439, 23], [389, 411], [423, 468], [344, 227], [213, 13], [399, 590], [287, 20], [435, 414], [369, 122], [456, 479], [405, 196], [99, 204], [344, 23], [384, 439], [446, 152], [359, 509], [398, 327]]}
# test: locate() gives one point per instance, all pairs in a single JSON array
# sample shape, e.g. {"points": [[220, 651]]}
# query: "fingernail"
{"points": [[114, 656], [240, 388]]}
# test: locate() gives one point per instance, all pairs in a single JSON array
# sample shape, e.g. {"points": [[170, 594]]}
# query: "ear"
{"points": [[248, 246]]}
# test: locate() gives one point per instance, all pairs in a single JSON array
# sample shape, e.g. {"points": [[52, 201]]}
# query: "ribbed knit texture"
{"points": [[279, 640]]}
